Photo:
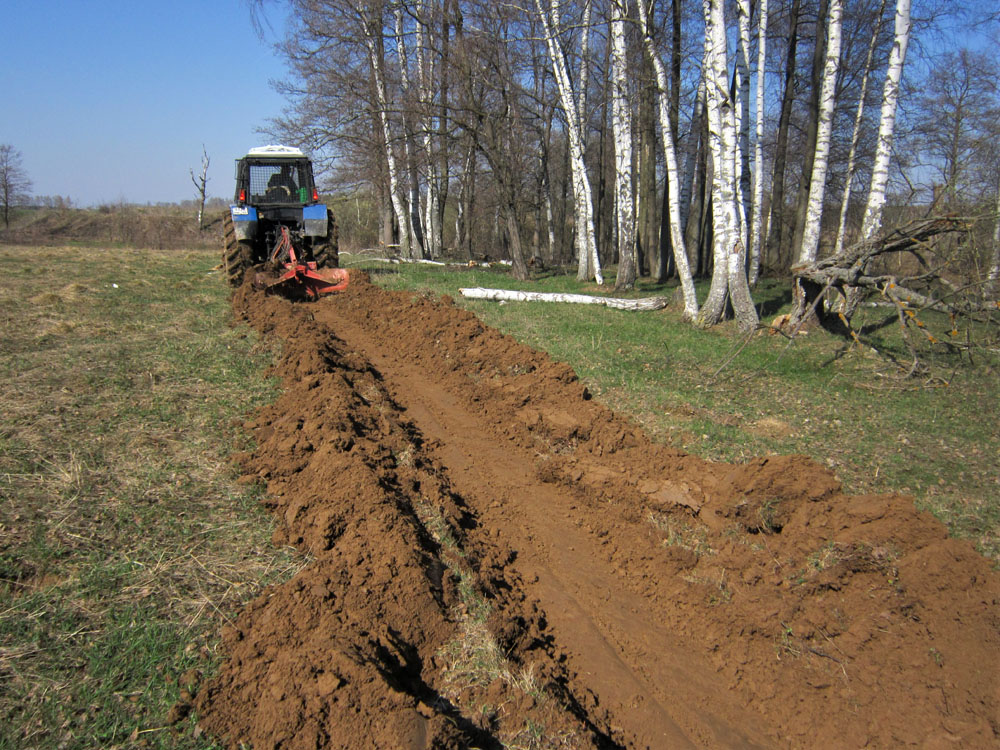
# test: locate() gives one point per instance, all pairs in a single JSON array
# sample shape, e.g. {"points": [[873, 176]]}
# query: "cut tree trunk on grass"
{"points": [[507, 295], [441, 263], [850, 270]]}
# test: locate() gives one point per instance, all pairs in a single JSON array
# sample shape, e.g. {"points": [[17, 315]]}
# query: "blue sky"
{"points": [[113, 99]]}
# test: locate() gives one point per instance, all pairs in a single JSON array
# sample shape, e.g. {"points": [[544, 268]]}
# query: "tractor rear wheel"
{"points": [[326, 251], [236, 256]]}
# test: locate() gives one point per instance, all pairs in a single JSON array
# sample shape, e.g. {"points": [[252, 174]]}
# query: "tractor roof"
{"points": [[276, 152]]}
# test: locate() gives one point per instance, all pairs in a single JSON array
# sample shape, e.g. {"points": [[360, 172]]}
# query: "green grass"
{"points": [[125, 542], [718, 395]]}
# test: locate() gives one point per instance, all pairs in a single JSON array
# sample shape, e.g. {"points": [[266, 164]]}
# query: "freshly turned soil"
{"points": [[642, 597]]}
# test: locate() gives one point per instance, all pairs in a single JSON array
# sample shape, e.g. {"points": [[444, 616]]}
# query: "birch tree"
{"points": [[742, 113], [375, 43], [757, 218], [856, 134], [811, 127], [729, 274], [587, 257], [817, 182], [621, 124], [872, 222], [673, 191], [427, 74], [409, 146]]}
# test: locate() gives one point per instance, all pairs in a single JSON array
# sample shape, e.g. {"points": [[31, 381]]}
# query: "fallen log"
{"points": [[508, 295], [426, 262], [850, 274]]}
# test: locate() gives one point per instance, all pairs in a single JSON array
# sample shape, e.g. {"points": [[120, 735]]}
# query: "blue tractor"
{"points": [[277, 233]]}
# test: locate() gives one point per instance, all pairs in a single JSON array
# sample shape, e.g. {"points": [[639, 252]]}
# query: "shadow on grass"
{"points": [[771, 298]]}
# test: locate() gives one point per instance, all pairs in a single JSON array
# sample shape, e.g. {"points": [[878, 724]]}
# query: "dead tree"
{"points": [[927, 287], [853, 270], [201, 185]]}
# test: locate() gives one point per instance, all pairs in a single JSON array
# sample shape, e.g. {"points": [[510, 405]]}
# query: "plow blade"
{"points": [[302, 281]]}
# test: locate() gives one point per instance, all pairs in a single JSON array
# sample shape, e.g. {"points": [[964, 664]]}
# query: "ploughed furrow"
{"points": [[499, 561], [401, 631]]}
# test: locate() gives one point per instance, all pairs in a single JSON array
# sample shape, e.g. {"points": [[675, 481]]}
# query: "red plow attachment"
{"points": [[299, 280]]}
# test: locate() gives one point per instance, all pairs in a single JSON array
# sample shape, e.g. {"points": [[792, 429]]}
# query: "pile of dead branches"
{"points": [[860, 275]]}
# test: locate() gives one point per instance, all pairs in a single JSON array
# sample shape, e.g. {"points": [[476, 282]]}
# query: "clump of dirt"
{"points": [[497, 560]]}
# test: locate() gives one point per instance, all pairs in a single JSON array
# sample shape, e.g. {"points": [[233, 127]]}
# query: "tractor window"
{"points": [[284, 182]]}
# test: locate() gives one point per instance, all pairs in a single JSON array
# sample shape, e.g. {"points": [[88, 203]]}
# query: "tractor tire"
{"points": [[326, 251], [236, 256]]}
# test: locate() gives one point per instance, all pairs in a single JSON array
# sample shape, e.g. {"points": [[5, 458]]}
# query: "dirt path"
{"points": [[500, 561]]}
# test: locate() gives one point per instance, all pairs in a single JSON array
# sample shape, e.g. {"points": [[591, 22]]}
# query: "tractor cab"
{"points": [[275, 176]]}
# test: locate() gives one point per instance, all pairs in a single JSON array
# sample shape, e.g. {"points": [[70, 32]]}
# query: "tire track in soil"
{"points": [[660, 600]]}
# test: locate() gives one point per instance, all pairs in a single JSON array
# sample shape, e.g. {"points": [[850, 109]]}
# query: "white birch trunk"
{"points": [[673, 193], [425, 79], [717, 95], [409, 148], [743, 119], [582, 198], [377, 63], [621, 126], [872, 223], [583, 91], [856, 135], [587, 236], [729, 252], [757, 219], [509, 295], [817, 183]]}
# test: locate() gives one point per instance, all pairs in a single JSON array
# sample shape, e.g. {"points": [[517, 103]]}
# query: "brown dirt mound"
{"points": [[498, 560]]}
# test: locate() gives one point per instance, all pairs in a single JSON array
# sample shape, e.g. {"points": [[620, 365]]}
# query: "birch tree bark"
{"points": [[817, 182], [582, 195], [743, 118], [426, 75], [673, 191], [856, 134], [811, 127], [872, 223], [583, 73], [374, 42], [621, 127], [729, 274], [757, 218], [409, 146]]}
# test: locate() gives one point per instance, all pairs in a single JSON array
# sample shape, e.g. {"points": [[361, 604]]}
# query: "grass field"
{"points": [[125, 542]]}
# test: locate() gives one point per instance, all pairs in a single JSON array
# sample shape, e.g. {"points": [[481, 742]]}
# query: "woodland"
{"points": [[670, 139]]}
